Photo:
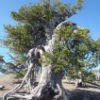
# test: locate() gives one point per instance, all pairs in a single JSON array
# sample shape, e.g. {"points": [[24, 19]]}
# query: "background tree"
{"points": [[90, 77], [9, 67]]}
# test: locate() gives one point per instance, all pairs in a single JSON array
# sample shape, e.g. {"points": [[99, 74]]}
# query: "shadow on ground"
{"points": [[84, 95]]}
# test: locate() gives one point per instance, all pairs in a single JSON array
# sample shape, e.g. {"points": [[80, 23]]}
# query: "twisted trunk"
{"points": [[49, 86]]}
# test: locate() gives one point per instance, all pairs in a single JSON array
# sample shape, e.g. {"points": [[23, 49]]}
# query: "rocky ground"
{"points": [[91, 92]]}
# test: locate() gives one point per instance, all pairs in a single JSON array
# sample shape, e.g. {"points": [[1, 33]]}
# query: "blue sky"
{"points": [[88, 17]]}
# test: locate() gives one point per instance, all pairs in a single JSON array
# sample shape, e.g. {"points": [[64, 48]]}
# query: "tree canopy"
{"points": [[73, 48], [32, 21]]}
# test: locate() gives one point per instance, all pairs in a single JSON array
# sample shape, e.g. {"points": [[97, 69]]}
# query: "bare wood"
{"points": [[46, 77]]}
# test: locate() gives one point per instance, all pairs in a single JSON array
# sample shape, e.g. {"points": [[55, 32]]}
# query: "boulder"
{"points": [[2, 87]]}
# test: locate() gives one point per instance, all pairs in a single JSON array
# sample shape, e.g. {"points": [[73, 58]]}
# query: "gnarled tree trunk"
{"points": [[49, 86]]}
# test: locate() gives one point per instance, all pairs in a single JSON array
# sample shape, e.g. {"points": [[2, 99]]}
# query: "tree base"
{"points": [[45, 89]]}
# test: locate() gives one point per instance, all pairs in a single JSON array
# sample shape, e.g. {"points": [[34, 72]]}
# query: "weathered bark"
{"points": [[59, 90], [17, 88], [49, 86]]}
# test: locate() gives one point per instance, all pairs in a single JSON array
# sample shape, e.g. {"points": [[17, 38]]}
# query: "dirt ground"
{"points": [[6, 81], [90, 92]]}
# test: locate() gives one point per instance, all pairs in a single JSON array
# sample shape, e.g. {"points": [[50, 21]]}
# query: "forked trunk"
{"points": [[49, 86]]}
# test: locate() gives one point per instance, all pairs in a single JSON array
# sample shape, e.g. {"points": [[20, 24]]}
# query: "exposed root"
{"points": [[20, 86], [45, 89]]}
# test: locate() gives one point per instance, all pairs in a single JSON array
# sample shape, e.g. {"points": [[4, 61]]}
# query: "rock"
{"points": [[2, 87]]}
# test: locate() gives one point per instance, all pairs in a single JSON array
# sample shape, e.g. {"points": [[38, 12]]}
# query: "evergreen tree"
{"points": [[56, 45], [33, 22]]}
